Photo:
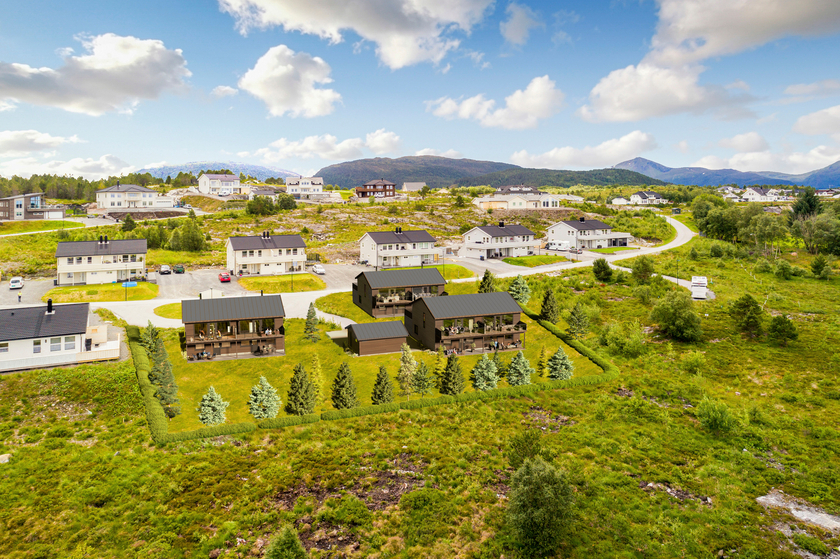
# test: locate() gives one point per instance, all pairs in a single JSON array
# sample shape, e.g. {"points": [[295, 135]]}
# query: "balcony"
{"points": [[220, 337], [478, 330]]}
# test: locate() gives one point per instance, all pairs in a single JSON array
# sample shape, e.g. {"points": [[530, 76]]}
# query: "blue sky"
{"points": [[96, 88]]}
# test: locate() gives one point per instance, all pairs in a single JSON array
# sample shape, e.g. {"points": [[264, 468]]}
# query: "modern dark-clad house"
{"points": [[378, 189], [28, 206], [376, 337], [390, 292], [467, 323], [234, 326]]}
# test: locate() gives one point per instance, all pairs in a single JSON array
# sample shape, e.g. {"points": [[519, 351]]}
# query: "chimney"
{"points": [[582, 219], [49, 306], [261, 292], [501, 224], [100, 239], [106, 239]]}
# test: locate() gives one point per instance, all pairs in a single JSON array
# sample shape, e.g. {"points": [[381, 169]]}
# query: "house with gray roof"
{"points": [[374, 338], [476, 322], [413, 186], [121, 197], [390, 292], [587, 234], [398, 248], [266, 254], [647, 197], [100, 261], [498, 241], [216, 184]]}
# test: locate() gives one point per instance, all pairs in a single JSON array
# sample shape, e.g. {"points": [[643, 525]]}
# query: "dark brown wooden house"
{"points": [[234, 326], [390, 292], [378, 189], [376, 337], [467, 323]]}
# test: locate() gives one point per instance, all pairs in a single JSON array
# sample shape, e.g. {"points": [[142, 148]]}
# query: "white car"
{"points": [[318, 269], [16, 283]]}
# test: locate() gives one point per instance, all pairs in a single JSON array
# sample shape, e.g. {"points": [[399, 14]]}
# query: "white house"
{"points": [[413, 186], [516, 189], [50, 335], [131, 196], [756, 194], [102, 261], [263, 193], [305, 188], [498, 241], [391, 249], [620, 201], [541, 201], [645, 197], [266, 254], [587, 233], [215, 183]]}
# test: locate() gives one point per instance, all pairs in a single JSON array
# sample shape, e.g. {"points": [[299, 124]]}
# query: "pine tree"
{"points": [[782, 329], [148, 338], [501, 366], [560, 367], [484, 376], [211, 410], [747, 314], [487, 283], [264, 402], [578, 322], [549, 310], [693, 254], [520, 370], [405, 376], [318, 380], [602, 270], [422, 381], [344, 389], [383, 392], [128, 223], [520, 290], [162, 377], [452, 382], [542, 363], [285, 545], [440, 366], [310, 329], [301, 399]]}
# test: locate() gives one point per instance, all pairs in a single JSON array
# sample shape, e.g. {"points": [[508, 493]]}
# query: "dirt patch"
{"points": [[681, 495], [790, 531], [327, 537], [502, 484], [540, 418], [801, 510], [624, 393]]}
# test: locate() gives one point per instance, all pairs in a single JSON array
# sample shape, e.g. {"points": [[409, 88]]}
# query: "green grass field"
{"points": [[205, 259], [449, 271], [611, 250], [341, 304], [171, 310], [288, 283], [101, 293], [535, 260], [687, 220], [10, 227]]}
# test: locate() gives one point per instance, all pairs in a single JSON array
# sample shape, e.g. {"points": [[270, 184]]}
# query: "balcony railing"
{"points": [[219, 337], [461, 332]]}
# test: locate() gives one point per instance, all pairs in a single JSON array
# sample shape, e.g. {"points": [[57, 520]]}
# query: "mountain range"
{"points": [[259, 171], [826, 177], [564, 179]]}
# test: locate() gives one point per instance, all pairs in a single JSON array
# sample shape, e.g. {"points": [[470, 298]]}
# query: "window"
{"points": [[55, 344], [90, 259], [259, 253], [36, 346], [78, 260], [4, 347], [69, 261], [18, 206], [69, 342], [294, 251], [244, 253]]}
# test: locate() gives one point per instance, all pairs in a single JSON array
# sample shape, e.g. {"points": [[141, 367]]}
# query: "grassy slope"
{"points": [[101, 292], [10, 227], [611, 250], [283, 284], [535, 260], [449, 272]]}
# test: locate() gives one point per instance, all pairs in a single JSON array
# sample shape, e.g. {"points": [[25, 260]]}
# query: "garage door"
{"points": [[55, 215]]}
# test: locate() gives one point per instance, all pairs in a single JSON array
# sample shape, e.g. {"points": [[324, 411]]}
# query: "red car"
{"points": [[224, 277]]}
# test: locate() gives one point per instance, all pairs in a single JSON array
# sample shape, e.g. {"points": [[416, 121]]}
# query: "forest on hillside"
{"points": [[565, 179]]}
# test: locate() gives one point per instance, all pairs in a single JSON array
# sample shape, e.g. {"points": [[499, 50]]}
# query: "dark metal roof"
{"points": [[215, 176], [518, 189], [404, 278], [587, 225], [30, 195], [508, 230], [645, 194], [378, 330], [95, 248], [34, 322], [473, 304], [232, 308], [127, 188], [272, 241], [386, 237], [258, 192], [379, 182]]}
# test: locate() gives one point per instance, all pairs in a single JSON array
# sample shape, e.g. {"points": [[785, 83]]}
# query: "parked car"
{"points": [[16, 283], [318, 269], [576, 250], [225, 192], [224, 277], [165, 269], [178, 268]]}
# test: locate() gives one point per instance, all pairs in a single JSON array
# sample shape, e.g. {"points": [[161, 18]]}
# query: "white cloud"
{"points": [[450, 153], [738, 84], [381, 142], [523, 108], [682, 146], [769, 118], [15, 143], [405, 32], [603, 155], [114, 75], [786, 162], [155, 164], [820, 88], [521, 19], [286, 82], [6, 106], [91, 169], [224, 91], [749, 142], [826, 121]]}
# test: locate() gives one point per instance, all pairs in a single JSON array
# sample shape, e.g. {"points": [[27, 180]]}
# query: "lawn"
{"points": [[535, 260], [611, 250], [171, 310], [10, 227], [288, 283], [449, 272], [101, 293], [687, 220], [341, 304], [206, 259]]}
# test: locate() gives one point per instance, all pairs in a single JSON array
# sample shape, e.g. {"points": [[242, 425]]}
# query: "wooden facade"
{"points": [[375, 338], [391, 292]]}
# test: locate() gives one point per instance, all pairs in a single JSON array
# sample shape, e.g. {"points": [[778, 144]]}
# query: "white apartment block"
{"points": [[586, 234], [498, 241], [398, 248], [646, 197], [130, 196], [102, 261], [214, 184], [266, 254], [755, 194], [305, 188], [541, 201]]}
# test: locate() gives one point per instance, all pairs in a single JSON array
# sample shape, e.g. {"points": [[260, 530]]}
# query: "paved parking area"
{"points": [[191, 283], [30, 295], [341, 276]]}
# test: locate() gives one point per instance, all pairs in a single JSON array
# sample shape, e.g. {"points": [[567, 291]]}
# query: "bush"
{"points": [[763, 266], [716, 416], [524, 445], [285, 545], [784, 270], [782, 330], [349, 510], [818, 264], [642, 269], [623, 339], [716, 251], [676, 317], [643, 294], [810, 543], [693, 362], [747, 314], [798, 271], [602, 270]]}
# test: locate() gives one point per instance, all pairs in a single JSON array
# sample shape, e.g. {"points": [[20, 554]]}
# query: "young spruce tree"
{"points": [[484, 376], [501, 367], [161, 376], [310, 328], [549, 310], [542, 363], [487, 283], [344, 389], [439, 366], [452, 382], [578, 322], [301, 398], [264, 402], [520, 370], [318, 380], [286, 545], [405, 376], [560, 367], [211, 409], [423, 382], [520, 290], [383, 392]]}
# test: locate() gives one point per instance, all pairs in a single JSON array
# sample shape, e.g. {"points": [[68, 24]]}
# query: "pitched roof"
{"points": [[586, 225], [413, 186], [379, 182], [23, 196], [517, 188], [387, 237], [95, 248], [126, 188], [378, 330], [403, 278], [506, 231], [257, 242], [759, 191], [34, 322], [259, 192], [644, 194], [232, 308], [216, 176], [472, 304]]}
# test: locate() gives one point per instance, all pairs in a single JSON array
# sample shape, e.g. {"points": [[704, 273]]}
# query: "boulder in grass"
{"points": [[4, 458]]}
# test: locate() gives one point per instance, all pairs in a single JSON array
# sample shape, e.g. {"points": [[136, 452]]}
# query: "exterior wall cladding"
{"points": [[235, 337]]}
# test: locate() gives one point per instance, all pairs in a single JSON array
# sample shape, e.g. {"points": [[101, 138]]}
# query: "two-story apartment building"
{"points": [[212, 183], [131, 196], [398, 248], [390, 292], [467, 323], [266, 254], [756, 194], [587, 233], [101, 261], [251, 325], [28, 206], [305, 188], [646, 197], [263, 193], [378, 189], [540, 201], [498, 241]]}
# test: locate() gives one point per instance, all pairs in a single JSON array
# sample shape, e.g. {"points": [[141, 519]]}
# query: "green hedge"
{"points": [[155, 416], [207, 432], [423, 403], [289, 421], [358, 412]]}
